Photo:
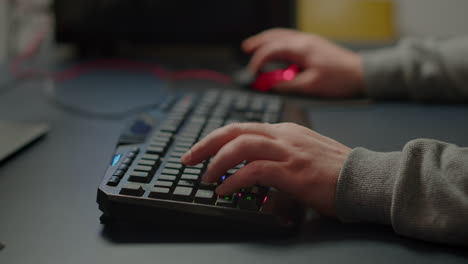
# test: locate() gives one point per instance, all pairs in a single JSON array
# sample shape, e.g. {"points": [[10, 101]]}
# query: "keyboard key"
{"points": [[247, 201], [143, 168], [119, 173], [191, 177], [132, 189], [226, 201], [160, 193], [170, 171], [192, 171], [147, 162], [205, 197], [123, 167], [232, 171], [113, 181], [182, 194], [166, 177], [157, 143], [186, 183], [127, 161], [198, 166], [161, 139], [154, 149], [150, 157], [139, 176], [167, 184], [164, 134], [174, 165], [208, 186], [174, 160], [177, 154], [181, 149]]}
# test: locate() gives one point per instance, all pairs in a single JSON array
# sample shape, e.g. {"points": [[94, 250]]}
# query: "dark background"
{"points": [[89, 22]]}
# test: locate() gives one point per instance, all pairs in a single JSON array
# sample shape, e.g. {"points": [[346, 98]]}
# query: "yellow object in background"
{"points": [[348, 20]]}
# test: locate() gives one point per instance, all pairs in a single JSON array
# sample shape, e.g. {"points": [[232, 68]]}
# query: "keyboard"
{"points": [[146, 182]]}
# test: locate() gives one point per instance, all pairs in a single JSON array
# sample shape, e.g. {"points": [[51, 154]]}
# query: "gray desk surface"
{"points": [[47, 193]]}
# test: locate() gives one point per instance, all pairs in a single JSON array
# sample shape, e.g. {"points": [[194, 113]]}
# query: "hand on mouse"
{"points": [[289, 157], [328, 70]]}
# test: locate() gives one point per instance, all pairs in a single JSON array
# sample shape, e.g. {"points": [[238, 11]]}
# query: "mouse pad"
{"points": [[14, 136]]}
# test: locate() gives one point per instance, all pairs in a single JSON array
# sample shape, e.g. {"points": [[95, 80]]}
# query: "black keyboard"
{"points": [[147, 183]]}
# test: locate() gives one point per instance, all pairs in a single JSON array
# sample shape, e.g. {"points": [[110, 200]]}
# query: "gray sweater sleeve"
{"points": [[425, 70], [422, 191]]}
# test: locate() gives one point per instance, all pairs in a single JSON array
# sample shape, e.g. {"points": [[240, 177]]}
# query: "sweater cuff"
{"points": [[365, 186], [383, 74]]}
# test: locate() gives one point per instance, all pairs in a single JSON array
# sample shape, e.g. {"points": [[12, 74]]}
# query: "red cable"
{"points": [[113, 64]]}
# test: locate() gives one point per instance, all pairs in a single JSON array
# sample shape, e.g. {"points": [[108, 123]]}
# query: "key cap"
{"points": [[174, 160], [186, 183], [198, 166], [177, 154], [143, 168], [205, 197], [119, 173], [173, 165], [150, 157], [167, 184], [208, 186], [154, 149], [192, 171], [113, 181], [226, 201], [157, 143], [247, 201], [160, 193], [127, 161], [139, 176], [123, 167], [132, 189], [182, 194], [147, 162], [232, 171], [191, 177], [170, 171], [166, 177], [181, 149]]}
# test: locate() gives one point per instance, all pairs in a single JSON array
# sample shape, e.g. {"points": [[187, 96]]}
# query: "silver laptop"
{"points": [[14, 136]]}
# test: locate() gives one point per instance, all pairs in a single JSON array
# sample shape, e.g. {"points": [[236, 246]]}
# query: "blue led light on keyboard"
{"points": [[116, 159], [223, 178]]}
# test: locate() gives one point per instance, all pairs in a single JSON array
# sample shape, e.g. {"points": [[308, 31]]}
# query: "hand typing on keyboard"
{"points": [[286, 156]]}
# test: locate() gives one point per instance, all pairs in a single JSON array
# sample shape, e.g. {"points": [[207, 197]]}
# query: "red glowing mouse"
{"points": [[265, 81]]}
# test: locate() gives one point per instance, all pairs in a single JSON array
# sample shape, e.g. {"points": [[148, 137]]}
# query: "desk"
{"points": [[48, 192]]}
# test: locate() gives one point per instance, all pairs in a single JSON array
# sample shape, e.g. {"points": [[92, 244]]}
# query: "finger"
{"points": [[251, 44], [211, 144], [304, 81], [244, 147], [274, 51], [259, 172]]}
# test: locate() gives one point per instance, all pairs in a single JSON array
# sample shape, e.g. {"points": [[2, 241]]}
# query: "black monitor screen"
{"points": [[168, 21]]}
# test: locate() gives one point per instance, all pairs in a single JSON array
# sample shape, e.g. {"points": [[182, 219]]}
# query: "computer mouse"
{"points": [[267, 78]]}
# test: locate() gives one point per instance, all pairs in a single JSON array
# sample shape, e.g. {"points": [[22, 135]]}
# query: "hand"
{"points": [[289, 157], [328, 70]]}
